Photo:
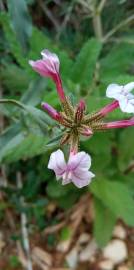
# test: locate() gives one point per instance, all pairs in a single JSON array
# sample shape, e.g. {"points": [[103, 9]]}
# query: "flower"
{"points": [[51, 111], [119, 124], [123, 95], [48, 66], [76, 170], [76, 122]]}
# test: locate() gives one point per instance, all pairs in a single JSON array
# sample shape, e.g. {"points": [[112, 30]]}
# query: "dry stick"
{"points": [[2, 8], [49, 14], [24, 226], [122, 40], [116, 28], [65, 21]]}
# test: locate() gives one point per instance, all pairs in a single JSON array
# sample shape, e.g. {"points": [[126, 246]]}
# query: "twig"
{"points": [[24, 226], [117, 27], [96, 19], [129, 169], [122, 40], [66, 19], [49, 14], [2, 8], [101, 5], [97, 25]]}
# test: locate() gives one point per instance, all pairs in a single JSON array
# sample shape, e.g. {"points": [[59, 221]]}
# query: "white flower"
{"points": [[76, 170], [123, 95]]}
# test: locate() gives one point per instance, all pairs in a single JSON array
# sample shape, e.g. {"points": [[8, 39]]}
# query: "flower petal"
{"points": [[129, 87], [114, 91], [41, 67], [82, 178], [57, 163], [52, 58], [79, 160], [127, 104], [67, 178]]}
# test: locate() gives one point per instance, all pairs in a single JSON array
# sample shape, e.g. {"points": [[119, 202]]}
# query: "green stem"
{"points": [[13, 101], [117, 27]]}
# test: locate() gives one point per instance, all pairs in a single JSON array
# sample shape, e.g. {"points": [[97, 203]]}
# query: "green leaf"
{"points": [[21, 20], [82, 71], [104, 223], [53, 142], [8, 134], [55, 189], [117, 197], [12, 41], [35, 92], [117, 62], [23, 146], [14, 78], [125, 148]]}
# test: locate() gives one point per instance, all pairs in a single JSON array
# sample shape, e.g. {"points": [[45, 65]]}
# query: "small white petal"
{"points": [[52, 57], [67, 178], [129, 87], [80, 160], [31, 62], [114, 91], [127, 105], [82, 179], [57, 163]]}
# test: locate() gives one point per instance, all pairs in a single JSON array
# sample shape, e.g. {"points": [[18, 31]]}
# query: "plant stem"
{"points": [[117, 27], [12, 101], [97, 25]]}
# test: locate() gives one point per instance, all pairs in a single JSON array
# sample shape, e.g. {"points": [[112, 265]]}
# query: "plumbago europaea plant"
{"points": [[78, 123]]}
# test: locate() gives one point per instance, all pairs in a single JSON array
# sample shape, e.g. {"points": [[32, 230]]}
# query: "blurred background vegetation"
{"points": [[95, 43]]}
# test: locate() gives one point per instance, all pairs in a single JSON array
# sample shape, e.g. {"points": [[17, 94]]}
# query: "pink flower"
{"points": [[109, 108], [48, 66], [76, 170], [119, 124], [51, 111]]}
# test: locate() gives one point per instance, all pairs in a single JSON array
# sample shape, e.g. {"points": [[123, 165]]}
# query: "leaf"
{"points": [[34, 94], [117, 197], [12, 41], [82, 71], [53, 142], [23, 146], [117, 62], [40, 117], [14, 78], [8, 134], [104, 223], [125, 148], [21, 20], [56, 190]]}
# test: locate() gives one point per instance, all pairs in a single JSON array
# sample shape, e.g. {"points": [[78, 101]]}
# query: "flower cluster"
{"points": [[77, 122]]}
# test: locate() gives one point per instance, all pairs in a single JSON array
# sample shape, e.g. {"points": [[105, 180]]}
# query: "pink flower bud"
{"points": [[51, 111], [119, 124], [48, 66]]}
